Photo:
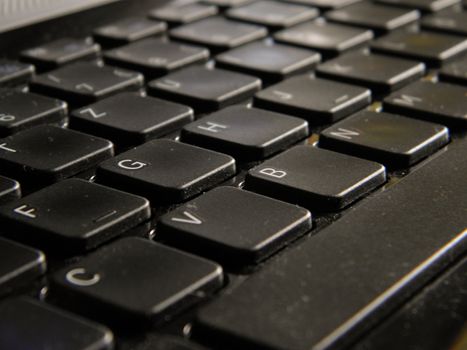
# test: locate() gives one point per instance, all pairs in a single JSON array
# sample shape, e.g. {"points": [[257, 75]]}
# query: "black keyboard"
{"points": [[233, 174]]}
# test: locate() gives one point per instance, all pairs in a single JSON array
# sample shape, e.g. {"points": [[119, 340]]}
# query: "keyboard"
{"points": [[233, 174]]}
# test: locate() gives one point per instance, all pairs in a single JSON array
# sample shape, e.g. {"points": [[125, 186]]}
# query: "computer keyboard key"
{"points": [[150, 118], [440, 103], [155, 57], [227, 3], [218, 33], [47, 154], [392, 140], [166, 171], [422, 5], [20, 265], [455, 72], [325, 4], [273, 14], [72, 216], [233, 226], [434, 49], [15, 73], [23, 110], [380, 18], [186, 13], [246, 133], [451, 22], [128, 30], [205, 89], [9, 190], [330, 39], [337, 284], [29, 324], [381, 74], [60, 52], [270, 62], [136, 280], [83, 83], [319, 101], [315, 178]]}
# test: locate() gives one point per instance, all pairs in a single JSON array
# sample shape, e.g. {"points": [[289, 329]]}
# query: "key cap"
{"points": [[319, 101], [29, 324], [9, 190], [150, 118], [270, 62], [328, 290], [432, 48], [155, 57], [154, 169], [20, 265], [233, 226], [455, 72], [273, 14], [60, 52], [19, 111], [137, 280], [381, 74], [325, 4], [315, 178], [85, 83], [227, 3], [440, 103], [183, 14], [205, 89], [328, 38], [46, 154], [447, 21], [218, 33], [422, 5], [128, 30], [12, 72], [246, 133], [385, 138], [72, 216], [377, 17]]}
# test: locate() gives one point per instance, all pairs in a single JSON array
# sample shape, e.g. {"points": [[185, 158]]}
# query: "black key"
{"points": [[131, 119], [185, 13], [128, 30], [166, 171], [246, 133], [432, 48], [447, 21], [29, 324], [218, 33], [422, 5], [455, 72], [329, 38], [273, 14], [233, 226], [270, 62], [389, 139], [205, 89], [381, 74], [84, 83], [329, 290], [441, 103], [20, 110], [12, 72], [135, 279], [9, 190], [319, 101], [155, 57], [20, 265], [325, 4], [380, 18], [45, 154], [60, 52], [227, 3], [316, 178], [72, 216]]}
